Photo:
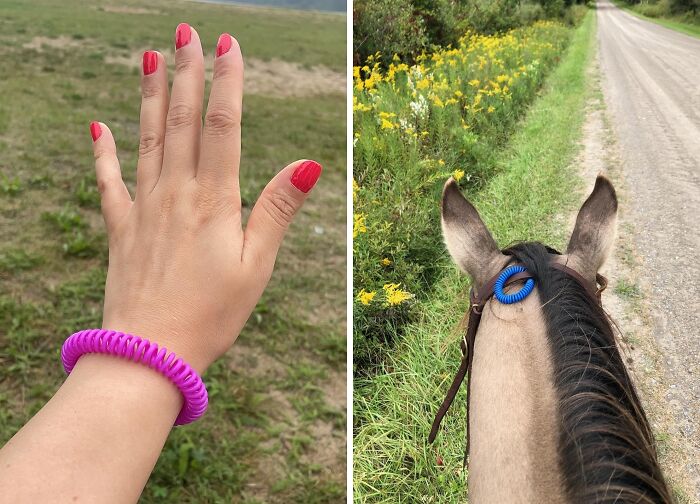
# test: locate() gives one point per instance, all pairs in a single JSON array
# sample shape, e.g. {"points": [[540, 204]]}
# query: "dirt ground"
{"points": [[274, 78], [633, 297], [650, 76]]}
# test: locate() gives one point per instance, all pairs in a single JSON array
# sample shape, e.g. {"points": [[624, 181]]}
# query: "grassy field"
{"points": [[528, 198], [275, 431], [657, 13]]}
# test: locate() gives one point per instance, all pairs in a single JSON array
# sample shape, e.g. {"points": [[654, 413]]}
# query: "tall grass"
{"points": [[450, 113], [393, 409]]}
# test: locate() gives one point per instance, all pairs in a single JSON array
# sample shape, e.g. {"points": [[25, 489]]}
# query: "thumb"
{"points": [[114, 195], [273, 212]]}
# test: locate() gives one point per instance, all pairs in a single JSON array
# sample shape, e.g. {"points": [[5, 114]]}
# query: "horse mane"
{"points": [[607, 452]]}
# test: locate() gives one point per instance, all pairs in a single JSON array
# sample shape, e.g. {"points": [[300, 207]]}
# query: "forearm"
{"points": [[97, 439]]}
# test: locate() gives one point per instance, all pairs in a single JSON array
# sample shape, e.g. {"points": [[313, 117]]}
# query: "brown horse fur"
{"points": [[554, 414]]}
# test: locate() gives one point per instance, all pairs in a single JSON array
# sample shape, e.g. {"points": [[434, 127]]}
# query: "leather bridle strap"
{"points": [[593, 293], [478, 299]]}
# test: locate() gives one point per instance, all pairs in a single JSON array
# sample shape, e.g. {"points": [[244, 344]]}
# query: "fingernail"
{"points": [[150, 62], [306, 175], [183, 35], [95, 130], [223, 45]]}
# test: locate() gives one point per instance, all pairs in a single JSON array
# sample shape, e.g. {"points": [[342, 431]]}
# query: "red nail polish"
{"points": [[306, 175], [183, 35], [223, 45], [95, 130], [150, 62]]}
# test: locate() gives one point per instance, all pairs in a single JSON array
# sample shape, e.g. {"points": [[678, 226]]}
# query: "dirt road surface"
{"points": [[651, 86]]}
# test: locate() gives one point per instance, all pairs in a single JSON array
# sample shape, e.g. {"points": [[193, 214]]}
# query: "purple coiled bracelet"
{"points": [[146, 352]]}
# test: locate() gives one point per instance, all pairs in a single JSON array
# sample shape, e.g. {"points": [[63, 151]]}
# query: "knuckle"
{"points": [[225, 69], [222, 120], [207, 206], [150, 89], [184, 65], [280, 207], [102, 153], [102, 185], [180, 115], [149, 143]]}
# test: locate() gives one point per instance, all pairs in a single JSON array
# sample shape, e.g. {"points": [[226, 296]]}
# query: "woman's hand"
{"points": [[182, 271]]}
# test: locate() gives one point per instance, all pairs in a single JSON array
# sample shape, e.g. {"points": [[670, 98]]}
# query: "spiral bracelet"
{"points": [[141, 350], [516, 296]]}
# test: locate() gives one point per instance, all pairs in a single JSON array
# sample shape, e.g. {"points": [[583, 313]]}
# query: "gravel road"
{"points": [[651, 85]]}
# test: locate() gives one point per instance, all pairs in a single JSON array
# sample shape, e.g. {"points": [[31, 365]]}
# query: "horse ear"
{"points": [[468, 240], [596, 223]]}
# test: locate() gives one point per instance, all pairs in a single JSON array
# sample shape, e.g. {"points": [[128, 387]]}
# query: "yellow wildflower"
{"points": [[491, 109], [359, 225], [386, 261], [395, 296], [424, 83], [386, 124], [458, 174], [365, 297], [441, 162], [358, 106]]}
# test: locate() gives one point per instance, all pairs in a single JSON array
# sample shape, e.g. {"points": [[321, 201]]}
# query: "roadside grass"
{"points": [[656, 14], [275, 431], [628, 290], [393, 410]]}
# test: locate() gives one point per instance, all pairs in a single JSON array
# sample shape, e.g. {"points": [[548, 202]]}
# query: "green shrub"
{"points": [[652, 10], [409, 27], [492, 16], [528, 13], [691, 7], [388, 26], [414, 127]]}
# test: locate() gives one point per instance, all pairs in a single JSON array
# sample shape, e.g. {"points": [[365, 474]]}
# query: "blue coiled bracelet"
{"points": [[516, 296]]}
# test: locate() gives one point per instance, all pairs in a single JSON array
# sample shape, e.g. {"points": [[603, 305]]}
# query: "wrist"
{"points": [[128, 387], [141, 351]]}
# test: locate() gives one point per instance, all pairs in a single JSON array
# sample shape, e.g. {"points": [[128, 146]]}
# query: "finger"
{"points": [[183, 125], [115, 198], [221, 140], [279, 202], [154, 108]]}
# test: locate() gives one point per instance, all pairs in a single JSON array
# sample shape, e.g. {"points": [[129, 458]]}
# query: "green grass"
{"points": [[393, 410], [628, 290], [275, 431], [656, 14]]}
